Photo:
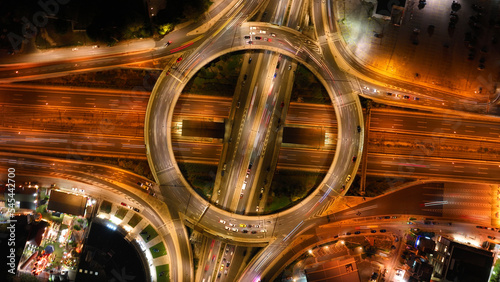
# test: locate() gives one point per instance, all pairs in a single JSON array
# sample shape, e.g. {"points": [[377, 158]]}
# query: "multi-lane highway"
{"points": [[112, 121]]}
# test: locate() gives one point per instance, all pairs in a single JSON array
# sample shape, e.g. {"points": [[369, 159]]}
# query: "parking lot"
{"points": [[464, 59]]}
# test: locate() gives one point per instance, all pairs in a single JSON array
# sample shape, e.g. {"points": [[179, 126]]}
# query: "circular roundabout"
{"points": [[181, 198]]}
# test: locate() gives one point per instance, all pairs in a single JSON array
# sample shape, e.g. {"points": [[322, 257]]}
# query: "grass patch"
{"points": [[278, 203], [290, 186], [200, 176], [148, 233], [166, 273], [295, 184], [136, 218], [217, 78], [120, 213], [307, 88], [158, 250], [105, 207]]}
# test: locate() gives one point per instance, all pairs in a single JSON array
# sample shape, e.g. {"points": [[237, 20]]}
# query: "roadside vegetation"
{"points": [[307, 88], [217, 78], [200, 176], [88, 22], [290, 186], [178, 11]]}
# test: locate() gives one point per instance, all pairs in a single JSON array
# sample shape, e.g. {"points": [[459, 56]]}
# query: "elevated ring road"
{"points": [[182, 198]]}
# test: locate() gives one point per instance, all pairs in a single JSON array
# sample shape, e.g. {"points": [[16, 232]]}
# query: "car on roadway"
{"points": [[231, 224], [357, 232], [383, 230], [222, 267], [123, 204], [234, 229], [348, 178], [354, 159], [263, 230], [227, 264], [258, 37], [254, 232], [247, 36], [227, 227], [241, 195], [257, 208], [168, 43], [222, 221], [262, 190], [253, 27], [243, 225], [179, 59], [136, 209], [213, 257], [273, 34], [225, 272]]}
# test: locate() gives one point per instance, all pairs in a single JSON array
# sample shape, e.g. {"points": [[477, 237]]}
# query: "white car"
{"points": [[257, 208], [235, 229], [263, 230], [253, 27], [262, 31], [222, 221], [227, 227], [230, 224]]}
